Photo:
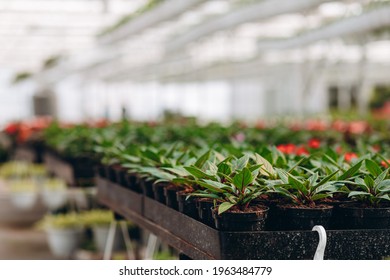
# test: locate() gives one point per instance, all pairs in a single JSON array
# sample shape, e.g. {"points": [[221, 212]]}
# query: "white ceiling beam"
{"points": [[361, 24], [255, 12], [165, 11]]}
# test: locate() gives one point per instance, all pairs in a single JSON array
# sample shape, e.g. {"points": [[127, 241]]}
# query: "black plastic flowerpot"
{"points": [[147, 187], [336, 221], [133, 182], [158, 191], [253, 220], [121, 175], [295, 218], [186, 205], [204, 211], [354, 216], [170, 193], [100, 170]]}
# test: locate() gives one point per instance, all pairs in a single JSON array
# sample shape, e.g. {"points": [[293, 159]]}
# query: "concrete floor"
{"points": [[23, 244]]}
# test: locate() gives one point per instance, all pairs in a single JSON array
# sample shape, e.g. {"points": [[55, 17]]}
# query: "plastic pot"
{"points": [[54, 199], [170, 193], [295, 218], [158, 191], [133, 182], [24, 200], [64, 242], [147, 188], [100, 234], [253, 220], [354, 216], [204, 211], [187, 206]]}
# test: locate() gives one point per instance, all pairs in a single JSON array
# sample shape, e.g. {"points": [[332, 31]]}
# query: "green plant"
{"points": [[371, 188], [232, 182], [61, 221], [97, 217]]}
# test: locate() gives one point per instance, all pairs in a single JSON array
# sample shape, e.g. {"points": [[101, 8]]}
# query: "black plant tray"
{"points": [[124, 199], [75, 173], [199, 241]]}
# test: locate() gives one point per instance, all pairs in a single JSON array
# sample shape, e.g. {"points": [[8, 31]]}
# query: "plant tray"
{"points": [[72, 174], [123, 198], [199, 241]]}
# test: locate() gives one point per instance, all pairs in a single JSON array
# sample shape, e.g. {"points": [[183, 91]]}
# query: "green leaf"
{"points": [[384, 186], [368, 181], [266, 168], [351, 172], [197, 173], [179, 170], [320, 196], [243, 179], [224, 168], [297, 184], [241, 163], [224, 207], [357, 193], [381, 177], [202, 160], [373, 167], [385, 196], [151, 155], [283, 175], [211, 187], [326, 179], [208, 195]]}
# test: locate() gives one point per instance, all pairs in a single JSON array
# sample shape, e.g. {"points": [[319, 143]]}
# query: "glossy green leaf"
{"points": [[223, 207], [243, 179]]}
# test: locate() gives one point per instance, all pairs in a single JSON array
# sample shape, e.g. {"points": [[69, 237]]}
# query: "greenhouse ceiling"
{"points": [[118, 39], [32, 31]]}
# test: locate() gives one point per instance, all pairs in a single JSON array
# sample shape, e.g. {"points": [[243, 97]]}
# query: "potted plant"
{"points": [[304, 194], [99, 220], [232, 186], [54, 193], [24, 193], [369, 191], [64, 233]]}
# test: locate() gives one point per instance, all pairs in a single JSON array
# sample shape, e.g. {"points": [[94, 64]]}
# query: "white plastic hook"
{"points": [[319, 255]]}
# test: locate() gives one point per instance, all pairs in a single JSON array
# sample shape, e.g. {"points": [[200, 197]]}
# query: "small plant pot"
{"points": [[64, 242], [170, 193], [336, 221], [24, 200], [186, 205], [121, 173], [204, 211], [158, 191], [100, 234], [295, 218], [100, 170], [252, 220], [354, 216], [147, 188], [54, 199], [133, 182]]}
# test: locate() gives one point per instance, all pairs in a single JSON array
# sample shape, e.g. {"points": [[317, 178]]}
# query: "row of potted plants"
{"points": [[239, 169]]}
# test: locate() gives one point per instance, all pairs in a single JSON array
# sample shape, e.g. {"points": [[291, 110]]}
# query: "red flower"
{"points": [[386, 163], [350, 156], [314, 143], [301, 151], [291, 149], [12, 128], [287, 149]]}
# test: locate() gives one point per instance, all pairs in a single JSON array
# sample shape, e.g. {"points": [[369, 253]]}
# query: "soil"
{"points": [[318, 206], [250, 209]]}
